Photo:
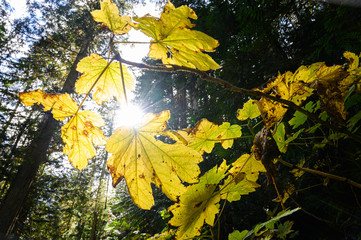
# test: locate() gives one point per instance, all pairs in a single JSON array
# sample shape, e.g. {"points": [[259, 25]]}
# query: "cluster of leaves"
{"points": [[142, 159]]}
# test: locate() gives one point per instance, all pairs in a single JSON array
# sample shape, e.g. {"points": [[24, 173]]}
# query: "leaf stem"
{"points": [[96, 81], [119, 59], [220, 213], [244, 164], [123, 83], [91, 88], [250, 127]]}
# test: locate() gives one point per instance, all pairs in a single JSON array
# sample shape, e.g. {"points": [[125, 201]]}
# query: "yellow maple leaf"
{"points": [[289, 86], [108, 85], [61, 105], [236, 186], [173, 40], [198, 204], [109, 16], [242, 179], [78, 134], [353, 59], [205, 134], [247, 164], [249, 111], [142, 159]]}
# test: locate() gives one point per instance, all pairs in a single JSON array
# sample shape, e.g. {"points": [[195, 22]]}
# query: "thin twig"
{"points": [[278, 193], [89, 91], [356, 198], [119, 58], [328, 175]]}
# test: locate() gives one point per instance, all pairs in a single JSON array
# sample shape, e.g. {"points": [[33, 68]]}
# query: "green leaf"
{"points": [[270, 222], [351, 123], [236, 235], [300, 118], [284, 229], [279, 137], [294, 136]]}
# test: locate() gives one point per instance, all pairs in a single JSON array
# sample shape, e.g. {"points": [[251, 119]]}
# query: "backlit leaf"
{"points": [[109, 16], [279, 137], [233, 188], [79, 134], [242, 179], [61, 105], [250, 110], [247, 164], [300, 118], [109, 84], [236, 235], [287, 86], [205, 134], [198, 204], [353, 59], [173, 40], [142, 159]]}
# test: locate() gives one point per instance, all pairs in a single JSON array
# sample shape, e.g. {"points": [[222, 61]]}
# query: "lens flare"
{"points": [[128, 116]]}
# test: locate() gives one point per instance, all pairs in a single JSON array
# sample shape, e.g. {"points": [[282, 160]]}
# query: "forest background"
{"points": [[257, 40]]}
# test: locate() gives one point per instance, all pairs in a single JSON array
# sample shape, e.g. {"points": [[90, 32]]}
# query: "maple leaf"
{"points": [[247, 164], [61, 105], [205, 134], [234, 187], [79, 132], [173, 40], [108, 85], [109, 16], [242, 179], [299, 118], [250, 110], [142, 159], [287, 86], [332, 85], [198, 204], [353, 59]]}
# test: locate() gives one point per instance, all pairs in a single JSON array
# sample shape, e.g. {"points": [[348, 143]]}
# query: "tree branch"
{"points": [[328, 175], [231, 87]]}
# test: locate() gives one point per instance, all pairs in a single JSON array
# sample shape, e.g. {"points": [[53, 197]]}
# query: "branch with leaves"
{"points": [[142, 159]]}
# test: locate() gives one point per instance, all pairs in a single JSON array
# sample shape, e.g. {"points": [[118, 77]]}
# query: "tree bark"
{"points": [[12, 204]]}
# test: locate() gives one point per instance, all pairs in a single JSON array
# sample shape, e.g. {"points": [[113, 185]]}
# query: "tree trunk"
{"points": [[13, 202]]}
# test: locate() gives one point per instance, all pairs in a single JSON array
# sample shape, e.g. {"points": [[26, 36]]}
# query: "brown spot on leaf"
{"points": [[198, 204], [73, 127], [89, 124], [85, 132]]}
